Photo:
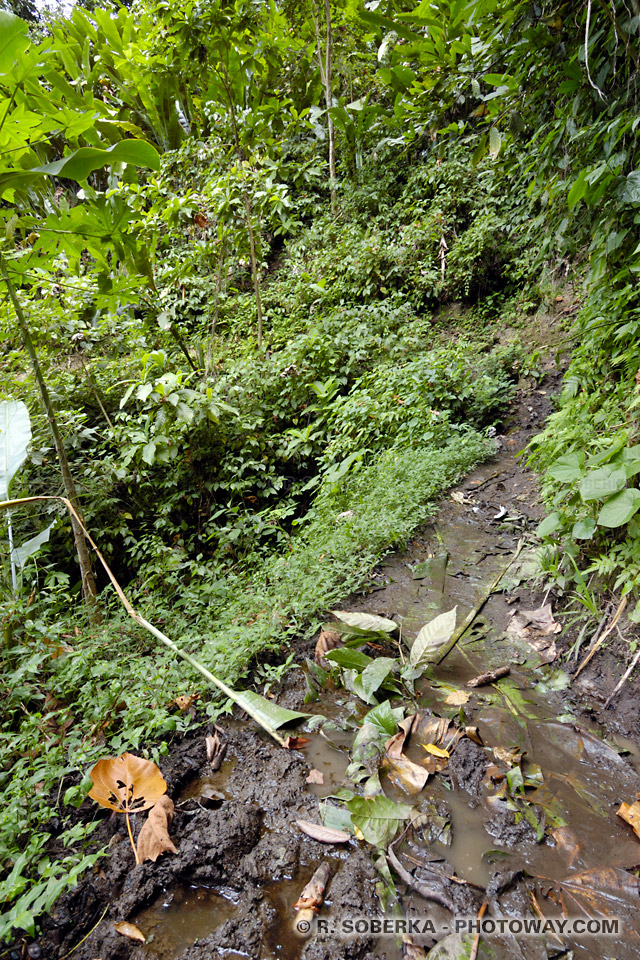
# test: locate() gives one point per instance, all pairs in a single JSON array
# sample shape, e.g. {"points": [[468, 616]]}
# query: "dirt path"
{"points": [[242, 862]]}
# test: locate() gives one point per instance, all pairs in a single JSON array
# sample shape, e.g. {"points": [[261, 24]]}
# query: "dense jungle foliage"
{"points": [[261, 258]]}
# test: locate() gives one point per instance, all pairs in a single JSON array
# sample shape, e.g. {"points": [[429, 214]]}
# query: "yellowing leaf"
{"points": [[131, 931], [127, 783], [630, 812], [436, 751]]}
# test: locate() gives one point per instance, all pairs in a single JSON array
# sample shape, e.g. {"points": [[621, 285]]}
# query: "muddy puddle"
{"points": [[522, 815]]}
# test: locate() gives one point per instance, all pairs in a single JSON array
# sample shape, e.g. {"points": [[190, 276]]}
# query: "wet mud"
{"points": [[552, 847]]}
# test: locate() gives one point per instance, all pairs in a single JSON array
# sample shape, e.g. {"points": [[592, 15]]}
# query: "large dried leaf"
{"points": [[365, 622], [154, 839], [630, 812], [216, 750], [432, 636], [601, 892], [328, 640], [322, 834], [409, 776], [537, 627], [127, 783], [395, 745]]}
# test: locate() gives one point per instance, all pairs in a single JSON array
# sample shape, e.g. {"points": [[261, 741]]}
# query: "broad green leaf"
{"points": [[578, 190], [15, 435], [619, 509], [366, 622], [270, 713], [349, 659], [630, 190], [335, 817], [30, 547], [495, 142], [14, 39], [568, 468], [549, 525], [79, 164], [602, 483], [584, 529], [375, 674], [432, 636], [385, 718], [378, 818]]}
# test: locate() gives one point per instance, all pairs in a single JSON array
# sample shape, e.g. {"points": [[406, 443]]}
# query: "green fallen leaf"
{"points": [[378, 818], [270, 713], [432, 636]]}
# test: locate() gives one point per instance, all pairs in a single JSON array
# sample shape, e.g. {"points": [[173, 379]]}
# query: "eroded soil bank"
{"points": [[550, 846]]}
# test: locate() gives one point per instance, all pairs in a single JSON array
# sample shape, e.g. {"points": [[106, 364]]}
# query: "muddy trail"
{"points": [[517, 817]]}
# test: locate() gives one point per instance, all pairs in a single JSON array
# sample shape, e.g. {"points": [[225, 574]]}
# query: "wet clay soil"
{"points": [[242, 862]]}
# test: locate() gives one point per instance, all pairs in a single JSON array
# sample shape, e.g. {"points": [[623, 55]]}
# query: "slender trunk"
{"points": [[324, 65], [246, 202], [84, 559], [254, 263], [328, 97], [216, 308]]}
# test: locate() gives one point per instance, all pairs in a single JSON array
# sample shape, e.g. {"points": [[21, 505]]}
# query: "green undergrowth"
{"points": [[92, 707]]}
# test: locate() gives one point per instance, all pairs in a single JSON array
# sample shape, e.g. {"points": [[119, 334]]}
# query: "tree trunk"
{"points": [[329, 99], [247, 203], [84, 559], [325, 67]]}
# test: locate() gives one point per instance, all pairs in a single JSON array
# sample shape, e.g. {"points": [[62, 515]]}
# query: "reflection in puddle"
{"points": [[177, 919]]}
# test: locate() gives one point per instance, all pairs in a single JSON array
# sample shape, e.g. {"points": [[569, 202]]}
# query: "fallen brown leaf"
{"points": [[322, 834], [127, 783], [510, 756], [315, 776], [184, 702], [536, 627], [409, 776], [154, 839], [216, 750], [411, 950], [394, 746], [296, 743], [131, 931], [630, 813], [328, 640]]}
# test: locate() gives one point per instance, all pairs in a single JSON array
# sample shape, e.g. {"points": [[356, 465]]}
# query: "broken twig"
{"points": [[596, 646], [625, 676], [427, 892], [476, 939], [489, 677]]}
